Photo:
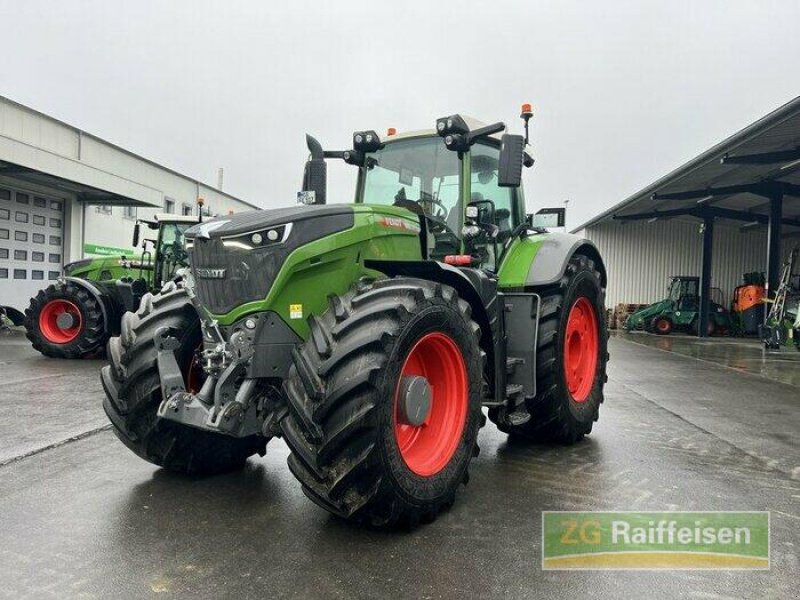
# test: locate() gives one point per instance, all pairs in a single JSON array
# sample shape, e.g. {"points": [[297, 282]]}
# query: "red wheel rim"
{"points": [[48, 321], [581, 349], [663, 325], [427, 449]]}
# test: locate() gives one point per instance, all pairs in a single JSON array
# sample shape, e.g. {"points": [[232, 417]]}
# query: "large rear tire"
{"points": [[351, 426], [65, 321], [133, 392], [571, 359]]}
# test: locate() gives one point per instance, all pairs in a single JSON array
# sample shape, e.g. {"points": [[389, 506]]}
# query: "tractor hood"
{"points": [[261, 221]]}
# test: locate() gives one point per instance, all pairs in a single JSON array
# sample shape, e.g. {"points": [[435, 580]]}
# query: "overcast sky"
{"points": [[623, 91]]}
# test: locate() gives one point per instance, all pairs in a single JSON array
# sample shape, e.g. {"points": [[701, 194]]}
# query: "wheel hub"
{"points": [[65, 321], [414, 400]]}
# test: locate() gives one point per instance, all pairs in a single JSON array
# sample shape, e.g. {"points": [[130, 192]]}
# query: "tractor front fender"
{"points": [[542, 259]]}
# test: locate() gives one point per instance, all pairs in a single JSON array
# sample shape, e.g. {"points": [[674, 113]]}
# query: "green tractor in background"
{"points": [[370, 335], [75, 316], [680, 311]]}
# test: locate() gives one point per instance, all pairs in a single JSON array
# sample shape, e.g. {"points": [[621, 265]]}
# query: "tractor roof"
{"points": [[471, 122], [171, 218]]}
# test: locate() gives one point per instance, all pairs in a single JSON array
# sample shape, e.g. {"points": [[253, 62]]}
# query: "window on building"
{"points": [[103, 209], [39, 202], [169, 205], [23, 198], [129, 212], [186, 210], [39, 220]]}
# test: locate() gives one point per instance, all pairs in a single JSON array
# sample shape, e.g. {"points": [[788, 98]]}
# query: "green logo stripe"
{"points": [[655, 540]]}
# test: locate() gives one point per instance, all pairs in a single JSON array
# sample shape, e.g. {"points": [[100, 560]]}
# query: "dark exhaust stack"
{"points": [[315, 172]]}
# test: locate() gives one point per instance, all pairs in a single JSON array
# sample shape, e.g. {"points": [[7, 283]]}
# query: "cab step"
{"points": [[512, 362]]}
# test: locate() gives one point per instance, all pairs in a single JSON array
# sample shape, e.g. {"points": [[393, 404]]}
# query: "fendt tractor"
{"points": [[75, 316], [369, 336]]}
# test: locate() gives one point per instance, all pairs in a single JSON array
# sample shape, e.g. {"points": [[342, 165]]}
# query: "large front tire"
{"points": [[571, 359], [65, 321], [133, 392], [355, 446]]}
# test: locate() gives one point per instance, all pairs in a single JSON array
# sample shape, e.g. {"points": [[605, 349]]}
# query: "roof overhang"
{"points": [[84, 193], [733, 181]]}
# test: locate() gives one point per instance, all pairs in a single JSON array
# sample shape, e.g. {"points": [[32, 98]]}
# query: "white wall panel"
{"points": [[641, 257]]}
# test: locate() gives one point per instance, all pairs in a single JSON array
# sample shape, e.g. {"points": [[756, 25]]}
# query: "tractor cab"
{"points": [[466, 191], [684, 292], [460, 196], [162, 256]]}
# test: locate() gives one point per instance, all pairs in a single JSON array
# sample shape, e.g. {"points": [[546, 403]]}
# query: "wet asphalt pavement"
{"points": [[82, 517]]}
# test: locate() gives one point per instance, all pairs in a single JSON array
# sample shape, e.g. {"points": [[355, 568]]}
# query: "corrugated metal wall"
{"points": [[640, 257]]}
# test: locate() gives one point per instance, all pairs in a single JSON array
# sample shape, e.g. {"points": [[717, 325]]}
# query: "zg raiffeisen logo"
{"points": [[655, 540]]}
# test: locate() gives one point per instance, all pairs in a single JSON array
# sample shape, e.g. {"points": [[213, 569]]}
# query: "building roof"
{"points": [[733, 180], [41, 149]]}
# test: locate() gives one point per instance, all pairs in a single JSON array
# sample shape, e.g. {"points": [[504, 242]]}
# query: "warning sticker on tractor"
{"points": [[295, 311]]}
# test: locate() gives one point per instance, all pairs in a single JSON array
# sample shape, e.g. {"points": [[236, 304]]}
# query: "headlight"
{"points": [[259, 239]]}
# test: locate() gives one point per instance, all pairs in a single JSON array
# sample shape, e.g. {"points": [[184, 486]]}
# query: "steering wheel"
{"points": [[442, 211]]}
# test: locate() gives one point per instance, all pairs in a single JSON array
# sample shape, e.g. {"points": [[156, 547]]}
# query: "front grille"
{"points": [[248, 274]]}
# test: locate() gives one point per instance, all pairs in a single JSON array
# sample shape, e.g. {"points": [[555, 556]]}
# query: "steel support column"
{"points": [[774, 242], [705, 276]]}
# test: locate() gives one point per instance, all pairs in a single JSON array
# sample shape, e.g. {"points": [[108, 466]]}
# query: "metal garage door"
{"points": [[31, 245]]}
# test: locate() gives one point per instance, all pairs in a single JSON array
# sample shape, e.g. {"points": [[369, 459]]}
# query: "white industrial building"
{"points": [[66, 194], [733, 209]]}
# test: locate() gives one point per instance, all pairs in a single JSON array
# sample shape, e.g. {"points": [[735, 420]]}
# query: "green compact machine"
{"points": [[679, 311], [75, 316], [371, 335]]}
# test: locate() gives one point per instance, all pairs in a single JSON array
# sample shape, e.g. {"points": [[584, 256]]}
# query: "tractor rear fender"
{"points": [[474, 286], [542, 259]]}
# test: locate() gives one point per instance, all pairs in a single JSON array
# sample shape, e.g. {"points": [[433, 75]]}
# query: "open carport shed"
{"points": [[748, 184]]}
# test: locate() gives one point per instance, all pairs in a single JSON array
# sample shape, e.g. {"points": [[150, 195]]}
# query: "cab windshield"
{"points": [[171, 249], [423, 176]]}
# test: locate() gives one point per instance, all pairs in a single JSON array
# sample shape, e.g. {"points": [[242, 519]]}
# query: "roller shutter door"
{"points": [[31, 245]]}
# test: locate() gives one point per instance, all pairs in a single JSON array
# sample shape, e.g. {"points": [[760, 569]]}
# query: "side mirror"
{"points": [[512, 150], [529, 219], [136, 234]]}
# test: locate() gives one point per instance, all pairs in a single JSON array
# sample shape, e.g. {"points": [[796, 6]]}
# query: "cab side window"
{"points": [[483, 166]]}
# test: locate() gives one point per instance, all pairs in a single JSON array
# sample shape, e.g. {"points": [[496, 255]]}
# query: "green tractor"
{"points": [[370, 335], [75, 316], [680, 311]]}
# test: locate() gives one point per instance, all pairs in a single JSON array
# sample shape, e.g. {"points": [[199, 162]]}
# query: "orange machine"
{"points": [[748, 306]]}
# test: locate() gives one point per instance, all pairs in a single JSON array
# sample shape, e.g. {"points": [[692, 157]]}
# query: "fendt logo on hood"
{"points": [[211, 273]]}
